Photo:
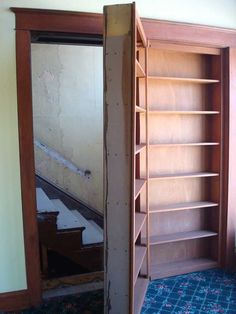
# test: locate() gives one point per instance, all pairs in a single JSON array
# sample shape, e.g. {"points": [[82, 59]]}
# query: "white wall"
{"points": [[12, 268], [68, 116]]}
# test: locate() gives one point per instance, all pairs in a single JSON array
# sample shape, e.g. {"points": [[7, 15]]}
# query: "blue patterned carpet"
{"points": [[207, 292]]}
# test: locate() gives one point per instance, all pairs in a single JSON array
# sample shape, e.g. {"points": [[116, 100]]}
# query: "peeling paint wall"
{"points": [[68, 116]]}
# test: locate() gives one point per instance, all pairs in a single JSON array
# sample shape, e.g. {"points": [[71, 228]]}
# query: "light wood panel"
{"points": [[184, 159], [177, 64], [182, 267], [185, 221], [182, 206]]}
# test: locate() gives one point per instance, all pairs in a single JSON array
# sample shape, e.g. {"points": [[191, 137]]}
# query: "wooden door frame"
{"points": [[29, 20]]}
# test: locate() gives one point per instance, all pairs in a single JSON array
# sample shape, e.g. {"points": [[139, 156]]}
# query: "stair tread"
{"points": [[99, 229], [66, 219], [44, 204], [90, 226]]}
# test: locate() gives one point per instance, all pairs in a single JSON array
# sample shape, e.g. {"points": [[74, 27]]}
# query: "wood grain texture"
{"points": [[229, 166], [14, 301], [119, 154], [182, 267], [166, 31], [28, 189]]}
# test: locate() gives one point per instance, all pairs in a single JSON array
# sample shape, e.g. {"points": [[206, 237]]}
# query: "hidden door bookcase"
{"points": [[167, 99]]}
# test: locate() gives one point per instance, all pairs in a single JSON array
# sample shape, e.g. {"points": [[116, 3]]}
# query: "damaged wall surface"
{"points": [[68, 118]]}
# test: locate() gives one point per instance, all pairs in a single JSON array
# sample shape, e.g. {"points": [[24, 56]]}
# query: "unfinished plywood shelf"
{"points": [[183, 144], [140, 109], [184, 79], [184, 112], [181, 236], [184, 175], [140, 290], [181, 267], [182, 206], [139, 148], [140, 252], [139, 70], [140, 219]]}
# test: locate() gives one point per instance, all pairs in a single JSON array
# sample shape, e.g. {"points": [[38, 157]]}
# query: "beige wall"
{"points": [[12, 268], [68, 116]]}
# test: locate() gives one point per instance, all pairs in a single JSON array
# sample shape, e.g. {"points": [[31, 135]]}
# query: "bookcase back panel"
{"points": [[168, 95], [141, 133], [177, 129], [164, 192], [181, 221], [180, 251], [177, 64], [140, 93], [180, 159]]}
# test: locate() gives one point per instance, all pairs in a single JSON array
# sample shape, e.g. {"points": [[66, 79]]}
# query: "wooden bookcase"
{"points": [[172, 134], [140, 208], [185, 141]]}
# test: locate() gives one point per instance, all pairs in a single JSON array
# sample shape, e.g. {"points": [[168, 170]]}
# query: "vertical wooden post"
{"points": [[118, 95], [229, 193]]}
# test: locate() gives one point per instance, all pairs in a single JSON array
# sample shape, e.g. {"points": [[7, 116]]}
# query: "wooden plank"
{"points": [[182, 112], [185, 175], [140, 252], [72, 280], [181, 267], [183, 144], [140, 219], [182, 206], [229, 165], [140, 109], [181, 236], [184, 79], [27, 168], [140, 31], [182, 33], [140, 290], [119, 76], [184, 48]]}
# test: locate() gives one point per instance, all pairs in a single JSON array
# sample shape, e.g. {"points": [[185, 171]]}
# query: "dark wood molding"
{"points": [[25, 114], [58, 21], [14, 301], [92, 23]]}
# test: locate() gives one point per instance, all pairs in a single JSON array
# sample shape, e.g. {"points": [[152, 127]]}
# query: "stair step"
{"points": [[91, 234], [44, 204], [99, 229], [65, 219]]}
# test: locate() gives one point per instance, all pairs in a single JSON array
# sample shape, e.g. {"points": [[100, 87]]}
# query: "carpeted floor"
{"points": [[206, 292]]}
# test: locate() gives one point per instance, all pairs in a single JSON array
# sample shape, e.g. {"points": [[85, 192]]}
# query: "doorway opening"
{"points": [[67, 90]]}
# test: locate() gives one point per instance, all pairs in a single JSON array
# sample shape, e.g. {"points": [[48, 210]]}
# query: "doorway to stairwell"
{"points": [[67, 88]]}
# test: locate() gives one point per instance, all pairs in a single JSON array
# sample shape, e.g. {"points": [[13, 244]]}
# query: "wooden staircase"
{"points": [[68, 233]]}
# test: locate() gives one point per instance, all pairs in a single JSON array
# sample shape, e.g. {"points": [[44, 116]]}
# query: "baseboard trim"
{"points": [[15, 301]]}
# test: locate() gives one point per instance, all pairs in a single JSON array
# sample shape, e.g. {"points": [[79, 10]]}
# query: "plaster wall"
{"points": [[68, 116]]}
